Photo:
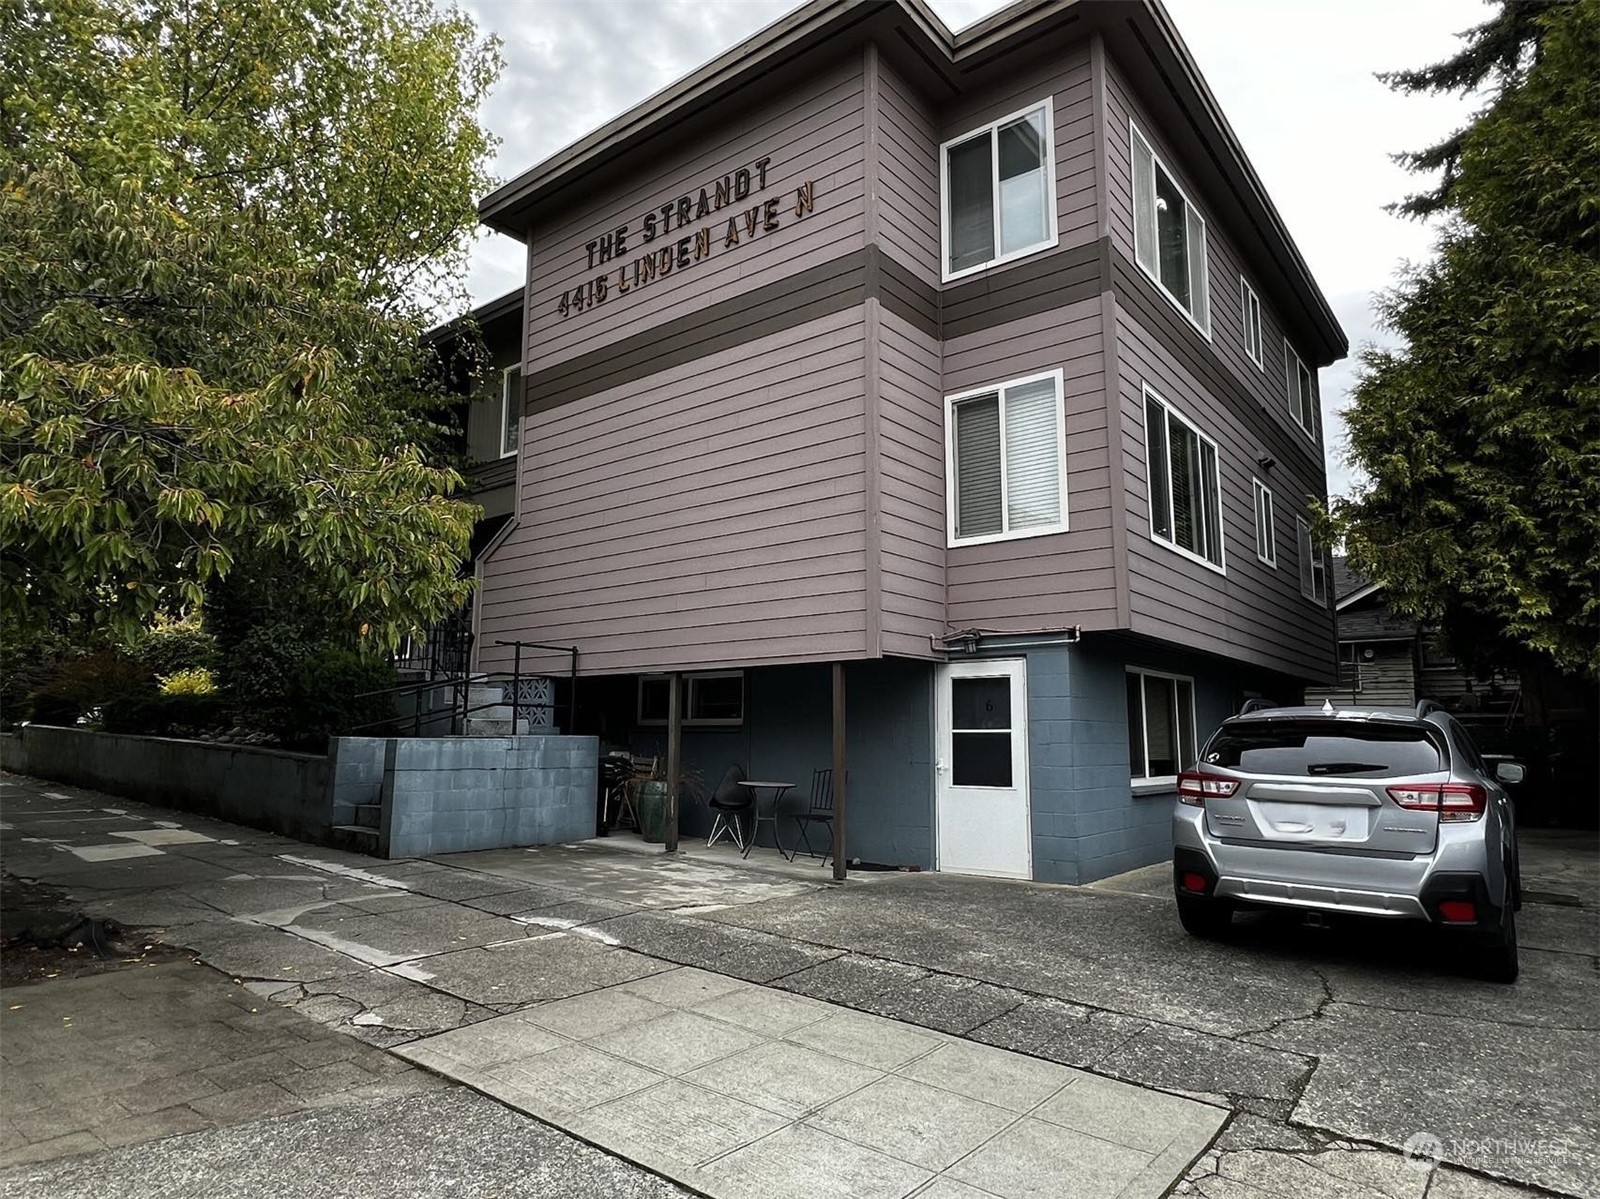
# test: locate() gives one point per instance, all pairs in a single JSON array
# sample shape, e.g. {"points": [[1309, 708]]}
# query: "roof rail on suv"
{"points": [[1256, 704], [1427, 706]]}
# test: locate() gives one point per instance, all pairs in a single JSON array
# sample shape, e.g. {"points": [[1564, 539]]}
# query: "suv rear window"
{"points": [[1322, 747]]}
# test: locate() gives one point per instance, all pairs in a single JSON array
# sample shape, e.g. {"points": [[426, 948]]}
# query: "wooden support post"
{"points": [[839, 809], [674, 757]]}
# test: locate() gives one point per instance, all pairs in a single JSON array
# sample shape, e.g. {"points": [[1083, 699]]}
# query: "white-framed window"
{"points": [[1169, 234], [510, 409], [1266, 545], [713, 697], [1313, 567], [1005, 461], [1185, 493], [1250, 305], [1302, 390], [1161, 727], [997, 191]]}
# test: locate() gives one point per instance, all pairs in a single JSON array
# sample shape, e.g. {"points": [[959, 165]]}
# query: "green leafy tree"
{"points": [[1479, 439], [223, 226]]}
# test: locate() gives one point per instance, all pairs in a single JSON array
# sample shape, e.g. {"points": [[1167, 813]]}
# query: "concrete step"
{"points": [[359, 830], [369, 815], [485, 693], [491, 712]]}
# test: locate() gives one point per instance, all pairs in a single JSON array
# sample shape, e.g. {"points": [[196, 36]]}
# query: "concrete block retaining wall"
{"points": [[439, 795], [448, 794], [270, 789]]}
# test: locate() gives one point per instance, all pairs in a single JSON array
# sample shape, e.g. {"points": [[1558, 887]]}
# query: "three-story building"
{"points": [[978, 363]]}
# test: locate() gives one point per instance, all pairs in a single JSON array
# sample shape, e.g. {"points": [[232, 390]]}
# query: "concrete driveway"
{"points": [[1331, 1051]]}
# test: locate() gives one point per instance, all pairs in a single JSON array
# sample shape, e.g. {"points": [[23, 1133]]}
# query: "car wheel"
{"points": [[1497, 960], [1208, 918]]}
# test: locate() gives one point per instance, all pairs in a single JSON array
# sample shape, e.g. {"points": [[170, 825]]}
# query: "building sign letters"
{"points": [[679, 253]]}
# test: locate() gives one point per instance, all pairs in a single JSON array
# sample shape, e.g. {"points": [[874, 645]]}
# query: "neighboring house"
{"points": [[975, 373], [1390, 661]]}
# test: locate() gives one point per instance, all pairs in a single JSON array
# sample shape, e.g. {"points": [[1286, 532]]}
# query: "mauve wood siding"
{"points": [[908, 177], [710, 515], [1062, 578], [1253, 612], [1266, 385], [911, 483], [1065, 77], [813, 135]]}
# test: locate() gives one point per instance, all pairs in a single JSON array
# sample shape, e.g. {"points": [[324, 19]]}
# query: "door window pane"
{"points": [[1023, 187], [979, 507], [971, 214], [980, 703], [980, 759]]}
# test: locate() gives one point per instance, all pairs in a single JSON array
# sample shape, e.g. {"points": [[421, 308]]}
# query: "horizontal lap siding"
{"points": [[1253, 612], [908, 177], [911, 479], [1267, 385], [711, 514], [814, 135], [1061, 579], [1067, 81]]}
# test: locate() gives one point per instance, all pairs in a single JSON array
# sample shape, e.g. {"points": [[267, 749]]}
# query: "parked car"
{"points": [[1371, 813]]}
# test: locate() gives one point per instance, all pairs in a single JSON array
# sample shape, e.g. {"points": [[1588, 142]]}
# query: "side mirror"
{"points": [[1510, 772]]}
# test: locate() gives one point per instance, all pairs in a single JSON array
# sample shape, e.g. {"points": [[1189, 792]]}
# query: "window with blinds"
{"points": [[1161, 727], [998, 192], [1007, 455], [1185, 492], [1302, 390], [1169, 234]]}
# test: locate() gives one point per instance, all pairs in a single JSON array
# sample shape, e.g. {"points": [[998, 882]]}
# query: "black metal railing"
{"points": [[513, 689]]}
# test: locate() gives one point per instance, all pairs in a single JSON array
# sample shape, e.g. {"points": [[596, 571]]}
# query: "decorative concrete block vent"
{"points": [[447, 795]]}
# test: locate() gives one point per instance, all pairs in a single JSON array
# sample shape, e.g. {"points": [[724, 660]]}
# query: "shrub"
{"points": [[169, 649], [165, 715], [304, 691], [83, 685], [330, 689], [195, 681]]}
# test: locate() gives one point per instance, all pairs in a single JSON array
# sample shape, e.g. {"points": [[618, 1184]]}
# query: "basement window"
{"points": [[710, 698]]}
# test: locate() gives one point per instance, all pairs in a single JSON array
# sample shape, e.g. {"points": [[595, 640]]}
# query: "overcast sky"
{"points": [[1295, 78]]}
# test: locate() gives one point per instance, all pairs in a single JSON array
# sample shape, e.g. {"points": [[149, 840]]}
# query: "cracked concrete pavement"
{"points": [[1332, 1048]]}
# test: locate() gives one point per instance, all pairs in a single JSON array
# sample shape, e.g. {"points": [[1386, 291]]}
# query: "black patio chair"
{"points": [[820, 812], [728, 804]]}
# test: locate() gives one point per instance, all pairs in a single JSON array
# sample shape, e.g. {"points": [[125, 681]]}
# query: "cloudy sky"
{"points": [[1295, 78]]}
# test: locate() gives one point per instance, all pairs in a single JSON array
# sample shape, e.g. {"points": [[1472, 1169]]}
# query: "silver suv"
{"points": [[1367, 813]]}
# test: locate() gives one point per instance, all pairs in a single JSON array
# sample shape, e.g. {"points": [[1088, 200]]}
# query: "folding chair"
{"points": [[821, 812]]}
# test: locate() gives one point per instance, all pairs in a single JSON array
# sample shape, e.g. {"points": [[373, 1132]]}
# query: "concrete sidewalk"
{"points": [[739, 1090], [519, 989]]}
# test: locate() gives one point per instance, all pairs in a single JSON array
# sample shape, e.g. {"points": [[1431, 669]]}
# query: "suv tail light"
{"points": [[1453, 801], [1195, 788]]}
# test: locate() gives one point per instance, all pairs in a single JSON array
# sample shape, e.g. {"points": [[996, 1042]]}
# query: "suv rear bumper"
{"points": [[1405, 889]]}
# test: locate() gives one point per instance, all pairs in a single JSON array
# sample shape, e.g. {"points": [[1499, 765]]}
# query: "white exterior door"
{"points": [[981, 771]]}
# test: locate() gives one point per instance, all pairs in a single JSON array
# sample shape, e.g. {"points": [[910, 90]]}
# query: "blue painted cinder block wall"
{"points": [[787, 734], [1087, 822]]}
